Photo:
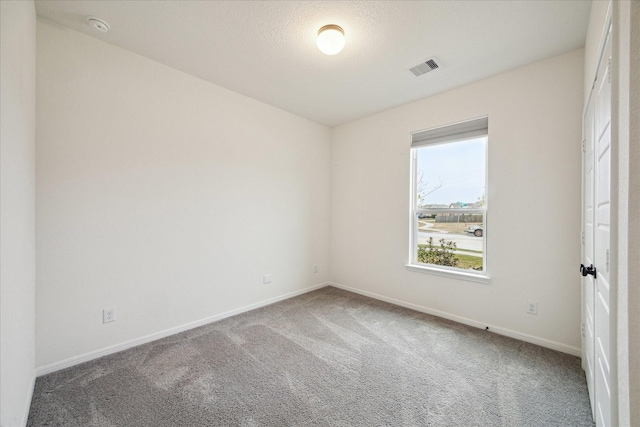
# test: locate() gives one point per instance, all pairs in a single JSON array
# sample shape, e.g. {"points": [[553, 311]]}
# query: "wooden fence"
{"points": [[454, 217]]}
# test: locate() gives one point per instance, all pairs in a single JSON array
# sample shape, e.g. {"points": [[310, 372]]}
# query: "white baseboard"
{"points": [[76, 360], [575, 351]]}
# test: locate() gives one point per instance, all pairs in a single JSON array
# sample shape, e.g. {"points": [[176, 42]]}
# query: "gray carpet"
{"points": [[330, 358]]}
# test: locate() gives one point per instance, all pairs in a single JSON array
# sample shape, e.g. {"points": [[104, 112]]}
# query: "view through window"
{"points": [[449, 197]]}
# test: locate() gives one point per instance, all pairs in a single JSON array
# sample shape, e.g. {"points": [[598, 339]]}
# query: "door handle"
{"points": [[588, 270]]}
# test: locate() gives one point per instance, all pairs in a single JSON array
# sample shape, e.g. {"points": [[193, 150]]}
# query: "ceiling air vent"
{"points": [[425, 67]]}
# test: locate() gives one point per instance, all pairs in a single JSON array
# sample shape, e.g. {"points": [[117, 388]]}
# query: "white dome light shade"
{"points": [[330, 39]]}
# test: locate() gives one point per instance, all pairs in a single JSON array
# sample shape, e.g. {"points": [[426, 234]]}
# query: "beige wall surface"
{"points": [[534, 193], [633, 331], [163, 196], [17, 209], [633, 211], [626, 186]]}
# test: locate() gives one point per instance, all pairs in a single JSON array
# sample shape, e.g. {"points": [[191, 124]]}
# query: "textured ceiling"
{"points": [[266, 49]]}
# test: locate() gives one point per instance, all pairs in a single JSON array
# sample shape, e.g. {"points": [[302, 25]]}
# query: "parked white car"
{"points": [[476, 230]]}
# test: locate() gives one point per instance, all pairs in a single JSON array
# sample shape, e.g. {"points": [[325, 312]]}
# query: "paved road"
{"points": [[468, 241]]}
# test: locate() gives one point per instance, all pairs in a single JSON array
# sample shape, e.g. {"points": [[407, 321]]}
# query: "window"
{"points": [[449, 200]]}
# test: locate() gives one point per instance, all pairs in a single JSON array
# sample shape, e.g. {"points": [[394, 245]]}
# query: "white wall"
{"points": [[633, 274], [534, 202], [163, 196], [633, 315], [17, 209], [626, 188]]}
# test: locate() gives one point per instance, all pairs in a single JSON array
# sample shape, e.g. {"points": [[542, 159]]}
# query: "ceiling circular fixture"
{"points": [[98, 24], [330, 39]]}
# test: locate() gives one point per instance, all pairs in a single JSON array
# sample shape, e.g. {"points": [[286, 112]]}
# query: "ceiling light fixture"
{"points": [[330, 39], [98, 24]]}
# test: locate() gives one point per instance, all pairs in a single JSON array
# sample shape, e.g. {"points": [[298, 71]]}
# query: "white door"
{"points": [[597, 348], [588, 286]]}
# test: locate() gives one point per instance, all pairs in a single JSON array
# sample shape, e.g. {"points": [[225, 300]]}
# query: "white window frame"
{"points": [[448, 134]]}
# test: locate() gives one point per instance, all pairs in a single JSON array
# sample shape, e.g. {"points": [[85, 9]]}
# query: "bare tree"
{"points": [[482, 200], [424, 189]]}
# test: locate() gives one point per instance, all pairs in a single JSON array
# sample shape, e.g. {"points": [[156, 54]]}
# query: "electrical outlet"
{"points": [[108, 315], [532, 307], [266, 279], [315, 268]]}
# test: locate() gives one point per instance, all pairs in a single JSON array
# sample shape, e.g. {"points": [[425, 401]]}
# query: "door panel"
{"points": [[598, 349], [602, 199], [588, 292]]}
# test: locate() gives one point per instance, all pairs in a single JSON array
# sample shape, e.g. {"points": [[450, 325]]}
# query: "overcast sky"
{"points": [[458, 166]]}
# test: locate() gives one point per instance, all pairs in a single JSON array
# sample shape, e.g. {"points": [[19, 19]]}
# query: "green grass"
{"points": [[469, 261]]}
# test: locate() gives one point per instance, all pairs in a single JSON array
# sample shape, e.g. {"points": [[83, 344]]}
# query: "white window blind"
{"points": [[451, 133]]}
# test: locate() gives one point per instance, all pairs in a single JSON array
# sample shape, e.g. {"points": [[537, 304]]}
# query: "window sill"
{"points": [[461, 275]]}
